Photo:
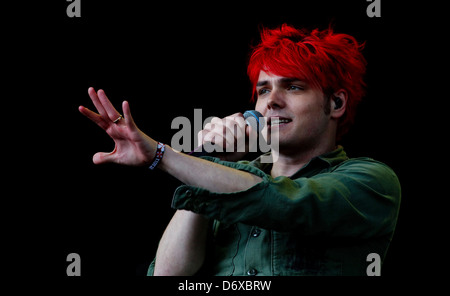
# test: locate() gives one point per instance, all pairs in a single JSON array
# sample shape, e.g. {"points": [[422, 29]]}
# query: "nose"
{"points": [[276, 100]]}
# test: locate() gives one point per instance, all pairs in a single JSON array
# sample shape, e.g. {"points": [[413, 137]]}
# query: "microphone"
{"points": [[252, 118]]}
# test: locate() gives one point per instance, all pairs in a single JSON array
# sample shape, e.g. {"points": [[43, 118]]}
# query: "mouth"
{"points": [[278, 121]]}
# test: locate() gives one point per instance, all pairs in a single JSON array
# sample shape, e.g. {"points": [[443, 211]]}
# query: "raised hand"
{"points": [[132, 146]]}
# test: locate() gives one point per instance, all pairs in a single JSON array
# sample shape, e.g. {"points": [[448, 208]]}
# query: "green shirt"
{"points": [[323, 220]]}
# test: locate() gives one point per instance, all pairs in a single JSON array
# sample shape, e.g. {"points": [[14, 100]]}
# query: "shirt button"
{"points": [[252, 272], [256, 232], [188, 193]]}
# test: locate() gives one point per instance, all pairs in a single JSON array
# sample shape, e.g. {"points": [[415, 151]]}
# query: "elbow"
{"points": [[254, 180]]}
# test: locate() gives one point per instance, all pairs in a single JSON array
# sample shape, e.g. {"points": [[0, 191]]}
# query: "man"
{"points": [[313, 211]]}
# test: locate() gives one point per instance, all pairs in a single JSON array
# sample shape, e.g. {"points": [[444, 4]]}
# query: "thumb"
{"points": [[252, 137], [104, 157], [248, 130]]}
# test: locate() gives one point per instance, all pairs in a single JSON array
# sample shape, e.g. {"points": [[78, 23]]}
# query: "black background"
{"points": [[167, 59]]}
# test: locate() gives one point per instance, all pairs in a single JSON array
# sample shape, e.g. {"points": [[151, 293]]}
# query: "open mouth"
{"points": [[279, 121]]}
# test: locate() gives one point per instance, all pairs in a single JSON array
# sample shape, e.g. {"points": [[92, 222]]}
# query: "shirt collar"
{"points": [[334, 157], [320, 162]]}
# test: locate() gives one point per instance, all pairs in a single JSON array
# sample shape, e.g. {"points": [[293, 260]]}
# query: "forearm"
{"points": [[181, 250], [205, 174]]}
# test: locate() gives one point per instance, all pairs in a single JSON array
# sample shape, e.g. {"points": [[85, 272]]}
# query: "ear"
{"points": [[338, 103]]}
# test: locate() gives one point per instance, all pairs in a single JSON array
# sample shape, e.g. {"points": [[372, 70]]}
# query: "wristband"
{"points": [[159, 155]]}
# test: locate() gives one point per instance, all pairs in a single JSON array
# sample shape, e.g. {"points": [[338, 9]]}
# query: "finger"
{"points": [[113, 114], [94, 98], [216, 120], [229, 134], [249, 131], [201, 136], [217, 126], [218, 133], [235, 125], [214, 142], [127, 113], [207, 136], [236, 115], [208, 126], [234, 131], [94, 117]]}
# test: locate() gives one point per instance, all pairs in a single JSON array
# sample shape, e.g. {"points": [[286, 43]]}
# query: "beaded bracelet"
{"points": [[159, 155]]}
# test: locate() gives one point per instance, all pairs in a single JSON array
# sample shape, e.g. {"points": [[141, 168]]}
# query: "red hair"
{"points": [[325, 60]]}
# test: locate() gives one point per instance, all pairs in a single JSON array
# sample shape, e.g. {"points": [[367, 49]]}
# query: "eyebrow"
{"points": [[284, 80]]}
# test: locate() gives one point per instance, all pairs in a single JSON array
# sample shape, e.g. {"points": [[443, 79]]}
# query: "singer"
{"points": [[313, 211]]}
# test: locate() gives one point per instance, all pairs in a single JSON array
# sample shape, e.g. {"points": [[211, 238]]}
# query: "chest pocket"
{"points": [[226, 245], [296, 255]]}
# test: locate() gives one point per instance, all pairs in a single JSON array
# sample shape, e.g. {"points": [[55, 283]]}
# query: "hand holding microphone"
{"points": [[232, 137]]}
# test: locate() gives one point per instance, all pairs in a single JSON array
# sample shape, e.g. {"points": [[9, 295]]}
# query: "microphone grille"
{"points": [[254, 119]]}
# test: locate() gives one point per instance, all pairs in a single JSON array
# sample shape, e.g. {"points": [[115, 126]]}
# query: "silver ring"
{"points": [[117, 120]]}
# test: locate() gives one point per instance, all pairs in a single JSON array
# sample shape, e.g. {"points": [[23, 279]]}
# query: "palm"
{"points": [[132, 146]]}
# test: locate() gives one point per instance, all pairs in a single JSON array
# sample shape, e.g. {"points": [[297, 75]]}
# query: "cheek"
{"points": [[307, 112], [311, 118], [259, 106]]}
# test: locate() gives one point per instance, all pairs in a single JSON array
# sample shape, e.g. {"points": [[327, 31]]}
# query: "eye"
{"points": [[263, 91], [295, 87]]}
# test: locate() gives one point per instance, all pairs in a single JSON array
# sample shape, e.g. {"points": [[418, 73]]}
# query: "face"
{"points": [[303, 117]]}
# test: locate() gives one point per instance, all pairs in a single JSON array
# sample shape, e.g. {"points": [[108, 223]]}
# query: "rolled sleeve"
{"points": [[151, 268], [226, 207]]}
